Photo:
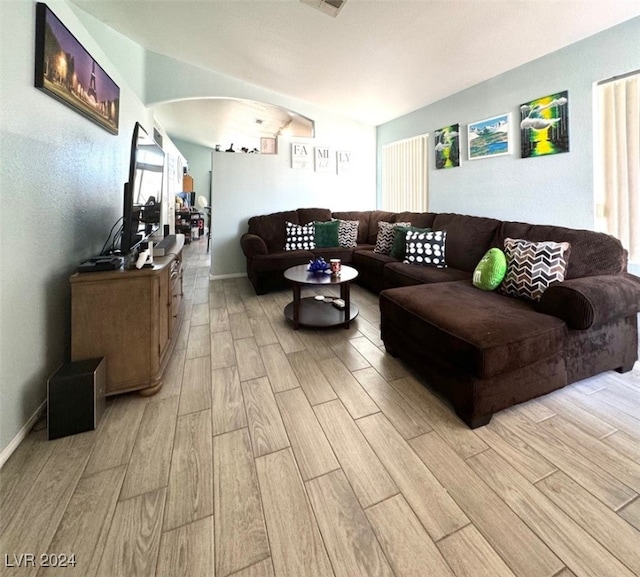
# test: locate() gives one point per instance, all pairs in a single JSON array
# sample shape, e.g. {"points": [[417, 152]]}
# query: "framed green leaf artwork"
{"points": [[447, 146], [544, 125]]}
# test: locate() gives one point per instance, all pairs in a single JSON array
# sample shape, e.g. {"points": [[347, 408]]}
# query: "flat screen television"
{"points": [[143, 191]]}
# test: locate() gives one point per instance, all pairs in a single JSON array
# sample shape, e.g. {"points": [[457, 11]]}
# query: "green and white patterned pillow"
{"points": [[490, 270]]}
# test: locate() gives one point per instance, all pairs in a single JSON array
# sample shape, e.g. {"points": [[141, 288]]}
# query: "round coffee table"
{"points": [[312, 312]]}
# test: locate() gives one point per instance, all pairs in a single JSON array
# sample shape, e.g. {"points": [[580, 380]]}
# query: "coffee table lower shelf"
{"points": [[320, 314]]}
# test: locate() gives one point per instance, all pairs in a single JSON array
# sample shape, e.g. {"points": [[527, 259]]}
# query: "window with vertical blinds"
{"points": [[404, 175], [617, 161]]}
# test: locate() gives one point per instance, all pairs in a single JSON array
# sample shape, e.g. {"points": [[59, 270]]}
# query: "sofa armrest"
{"points": [[252, 245], [587, 301]]}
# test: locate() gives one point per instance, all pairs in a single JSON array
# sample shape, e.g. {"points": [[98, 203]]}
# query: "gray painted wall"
{"points": [[61, 180], [553, 189], [199, 159], [245, 185]]}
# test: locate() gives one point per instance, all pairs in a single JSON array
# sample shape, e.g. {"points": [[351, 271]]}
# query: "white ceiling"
{"points": [[224, 122], [377, 60]]}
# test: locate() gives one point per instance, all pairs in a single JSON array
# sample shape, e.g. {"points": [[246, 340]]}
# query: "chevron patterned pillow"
{"points": [[533, 266], [348, 233], [384, 240]]}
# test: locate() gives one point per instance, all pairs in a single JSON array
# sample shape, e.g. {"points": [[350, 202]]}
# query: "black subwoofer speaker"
{"points": [[75, 397]]}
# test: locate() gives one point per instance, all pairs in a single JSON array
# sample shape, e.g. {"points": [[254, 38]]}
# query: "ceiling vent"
{"points": [[330, 7]]}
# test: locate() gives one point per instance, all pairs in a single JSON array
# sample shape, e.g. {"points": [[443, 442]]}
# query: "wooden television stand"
{"points": [[131, 318]]}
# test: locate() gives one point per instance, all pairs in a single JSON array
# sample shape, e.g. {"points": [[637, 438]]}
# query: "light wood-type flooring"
{"points": [[278, 453]]}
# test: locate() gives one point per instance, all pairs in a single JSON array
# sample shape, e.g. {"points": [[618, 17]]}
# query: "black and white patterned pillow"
{"points": [[348, 233], [384, 240], [300, 236], [533, 266], [426, 248]]}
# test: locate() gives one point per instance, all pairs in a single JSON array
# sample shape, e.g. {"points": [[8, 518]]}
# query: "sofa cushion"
{"points": [[376, 216], [313, 214], [300, 236], [280, 261], [398, 247], [397, 274], [344, 254], [592, 253], [533, 266], [490, 270], [426, 248], [363, 228], [348, 233], [371, 261], [468, 238], [418, 219], [272, 229], [326, 233], [483, 333], [384, 240]]}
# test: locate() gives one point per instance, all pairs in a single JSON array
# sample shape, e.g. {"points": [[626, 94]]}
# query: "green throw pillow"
{"points": [[327, 233], [400, 238], [490, 270]]}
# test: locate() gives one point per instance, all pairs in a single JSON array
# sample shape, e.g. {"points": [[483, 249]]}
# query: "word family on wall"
{"points": [[303, 156]]}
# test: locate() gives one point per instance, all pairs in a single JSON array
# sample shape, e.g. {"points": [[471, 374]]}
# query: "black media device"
{"points": [[75, 397], [143, 191], [101, 263]]}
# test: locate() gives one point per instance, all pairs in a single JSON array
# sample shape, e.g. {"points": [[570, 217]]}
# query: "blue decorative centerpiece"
{"points": [[318, 266]]}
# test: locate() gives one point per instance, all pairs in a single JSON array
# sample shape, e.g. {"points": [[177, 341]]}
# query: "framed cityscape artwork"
{"points": [[544, 125], [68, 73], [489, 137]]}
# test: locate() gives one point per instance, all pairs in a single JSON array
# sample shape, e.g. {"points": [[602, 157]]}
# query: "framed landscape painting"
{"points": [[447, 146], [68, 73], [489, 137], [544, 125]]}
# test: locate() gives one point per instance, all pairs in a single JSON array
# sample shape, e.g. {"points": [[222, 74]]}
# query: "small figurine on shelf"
{"points": [[230, 149]]}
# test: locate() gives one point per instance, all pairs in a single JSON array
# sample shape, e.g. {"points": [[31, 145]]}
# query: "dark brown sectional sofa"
{"points": [[484, 351]]}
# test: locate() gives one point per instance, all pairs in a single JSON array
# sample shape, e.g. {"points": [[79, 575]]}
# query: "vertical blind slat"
{"points": [[404, 175]]}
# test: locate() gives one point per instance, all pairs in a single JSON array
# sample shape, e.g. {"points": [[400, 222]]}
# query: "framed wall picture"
{"points": [[300, 155], [447, 146], [269, 145], [322, 160], [68, 73], [544, 125], [489, 137], [343, 161]]}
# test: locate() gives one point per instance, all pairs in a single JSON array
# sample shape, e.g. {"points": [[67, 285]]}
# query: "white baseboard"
{"points": [[22, 433], [226, 276]]}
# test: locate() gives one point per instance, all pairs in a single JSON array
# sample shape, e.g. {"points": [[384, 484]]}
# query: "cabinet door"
{"points": [[112, 319]]}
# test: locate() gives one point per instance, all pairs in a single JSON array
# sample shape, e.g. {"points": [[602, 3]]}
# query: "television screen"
{"points": [[143, 191]]}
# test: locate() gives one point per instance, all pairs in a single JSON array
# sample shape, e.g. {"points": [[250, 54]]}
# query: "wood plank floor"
{"points": [[271, 452]]}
